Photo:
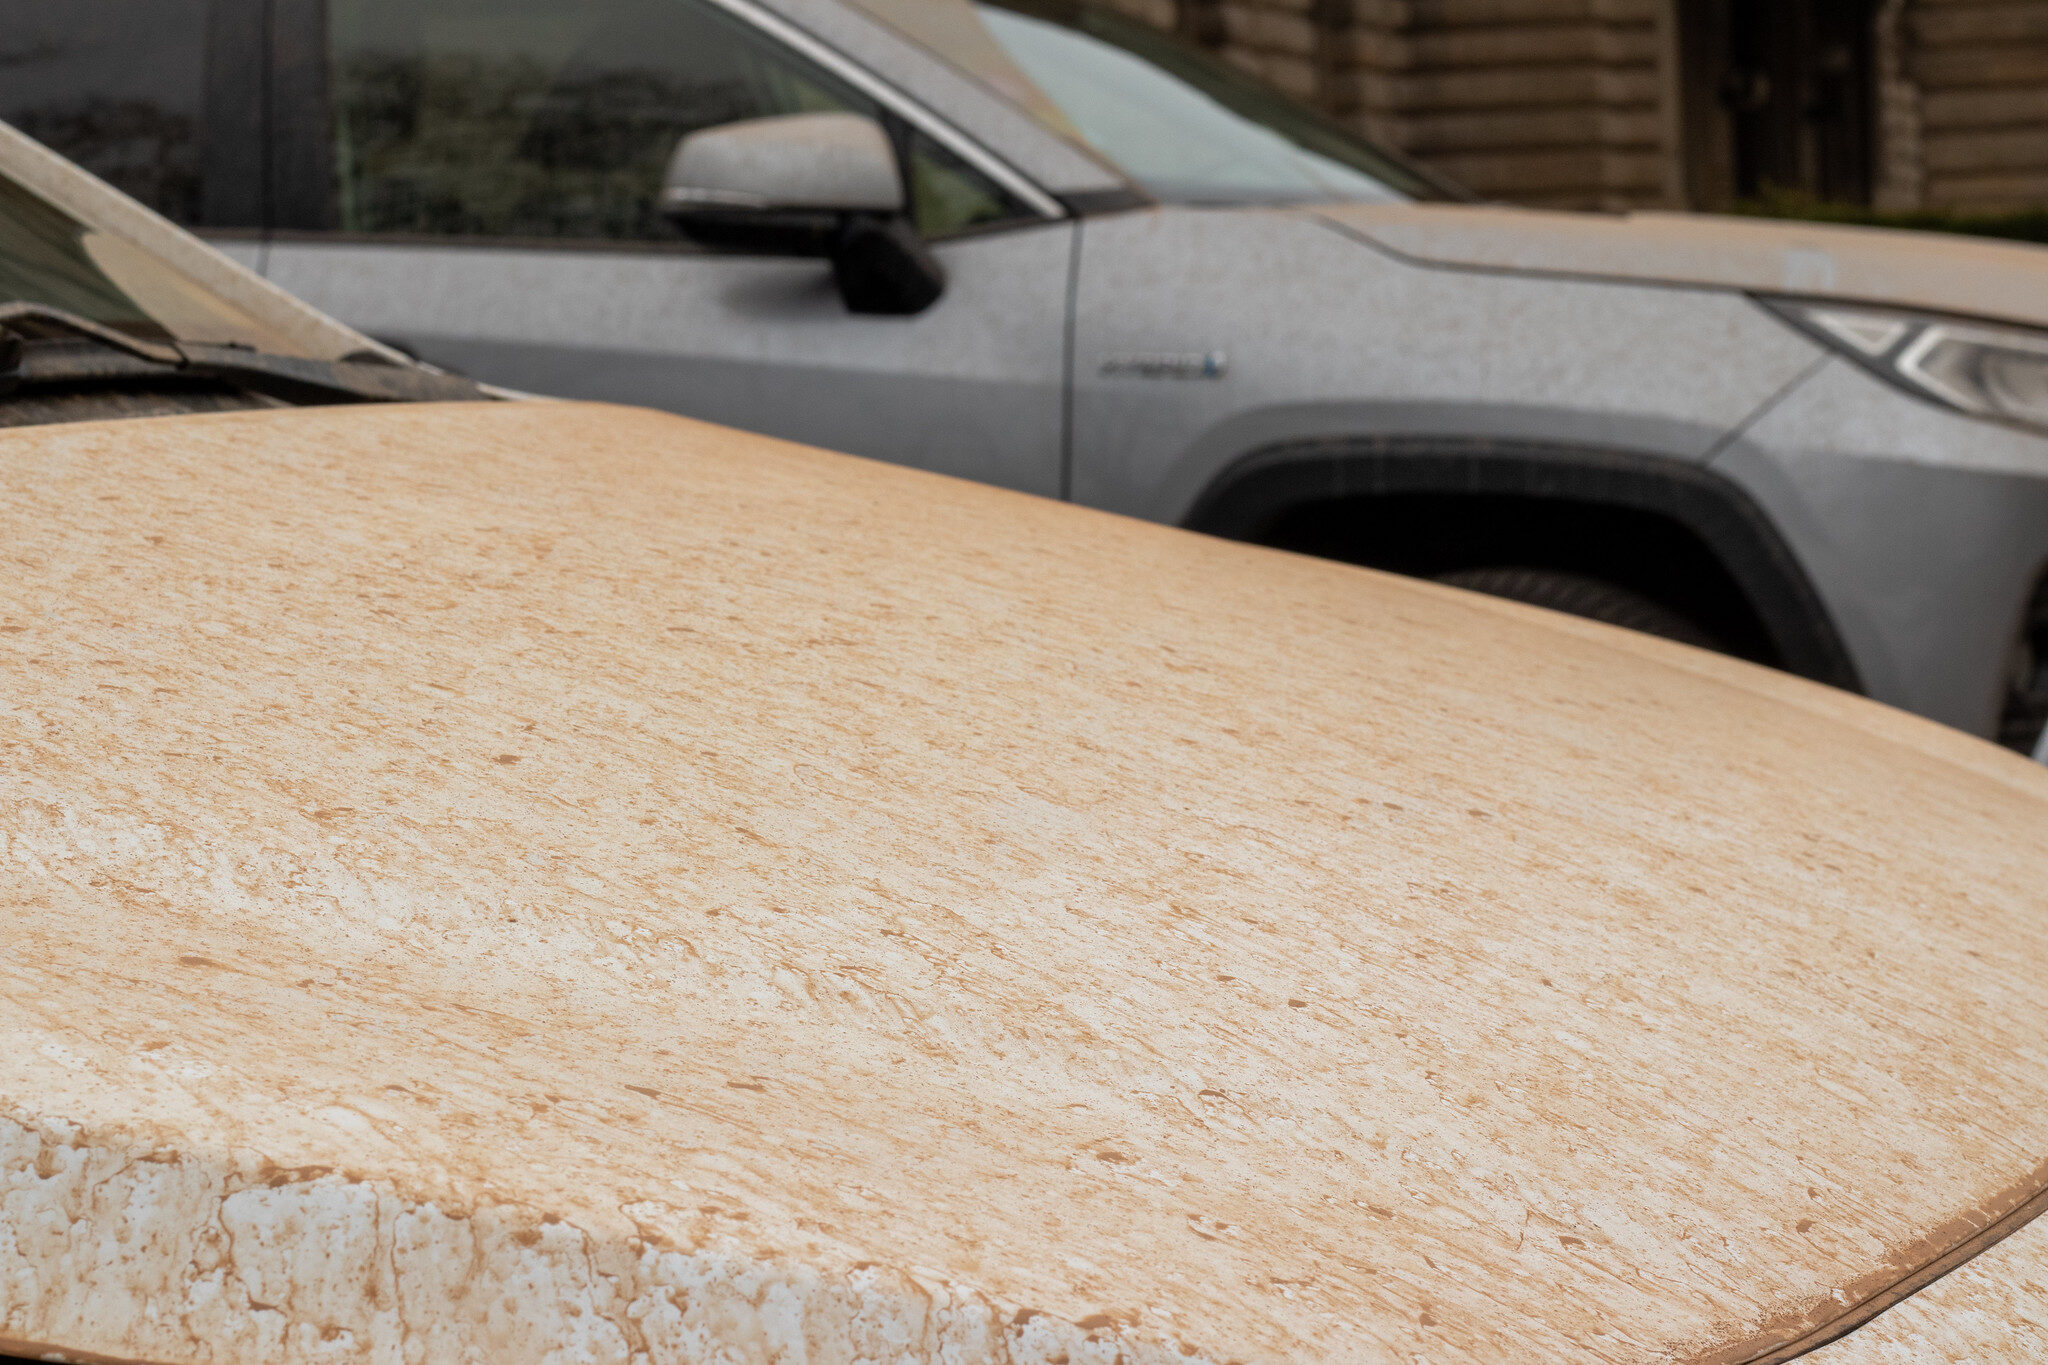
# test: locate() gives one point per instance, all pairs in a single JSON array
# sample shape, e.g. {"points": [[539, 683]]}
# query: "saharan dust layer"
{"points": [[484, 881]]}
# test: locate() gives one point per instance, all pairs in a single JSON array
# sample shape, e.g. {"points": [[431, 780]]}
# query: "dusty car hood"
{"points": [[1935, 271], [1988, 1311], [489, 879]]}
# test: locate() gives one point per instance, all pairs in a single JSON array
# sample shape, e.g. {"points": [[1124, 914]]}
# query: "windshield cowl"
{"points": [[43, 348]]}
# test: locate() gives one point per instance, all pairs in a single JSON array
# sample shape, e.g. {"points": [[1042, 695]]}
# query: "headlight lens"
{"points": [[1983, 368]]}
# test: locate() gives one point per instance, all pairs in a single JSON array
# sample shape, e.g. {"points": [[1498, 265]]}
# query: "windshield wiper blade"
{"points": [[348, 380], [43, 345], [35, 321]]}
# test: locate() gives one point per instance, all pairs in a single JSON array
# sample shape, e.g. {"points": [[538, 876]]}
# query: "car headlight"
{"points": [[1985, 368]]}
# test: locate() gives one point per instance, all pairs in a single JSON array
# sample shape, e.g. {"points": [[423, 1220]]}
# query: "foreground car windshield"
{"points": [[50, 258], [1186, 126], [108, 311]]}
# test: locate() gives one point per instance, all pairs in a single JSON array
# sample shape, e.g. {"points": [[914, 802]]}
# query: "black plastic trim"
{"points": [[301, 135], [1254, 491], [234, 189]]}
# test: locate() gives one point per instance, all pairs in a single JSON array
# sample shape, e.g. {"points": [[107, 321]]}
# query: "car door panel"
{"points": [[971, 386], [496, 166]]}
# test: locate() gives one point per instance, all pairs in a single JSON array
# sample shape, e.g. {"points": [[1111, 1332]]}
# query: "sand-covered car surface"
{"points": [[543, 881]]}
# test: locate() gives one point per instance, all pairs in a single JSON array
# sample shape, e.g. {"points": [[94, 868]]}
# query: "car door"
{"points": [[494, 167]]}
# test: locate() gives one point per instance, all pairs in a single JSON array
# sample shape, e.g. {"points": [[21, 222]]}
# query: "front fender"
{"points": [[1252, 493], [1201, 334]]}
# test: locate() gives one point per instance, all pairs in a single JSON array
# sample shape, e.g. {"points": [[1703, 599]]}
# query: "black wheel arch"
{"points": [[1257, 491]]}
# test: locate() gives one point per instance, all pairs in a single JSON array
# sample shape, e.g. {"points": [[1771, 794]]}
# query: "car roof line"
{"points": [[900, 101]]}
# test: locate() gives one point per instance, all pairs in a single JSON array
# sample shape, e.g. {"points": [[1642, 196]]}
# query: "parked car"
{"points": [[1083, 261], [525, 881]]}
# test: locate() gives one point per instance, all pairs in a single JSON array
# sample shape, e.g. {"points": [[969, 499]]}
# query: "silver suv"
{"points": [[1036, 243]]}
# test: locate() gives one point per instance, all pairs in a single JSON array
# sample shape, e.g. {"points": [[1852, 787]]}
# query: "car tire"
{"points": [[1581, 595]]}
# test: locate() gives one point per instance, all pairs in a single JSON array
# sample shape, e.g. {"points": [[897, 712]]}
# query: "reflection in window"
{"points": [[949, 196], [534, 119], [1188, 127], [43, 260], [117, 86]]}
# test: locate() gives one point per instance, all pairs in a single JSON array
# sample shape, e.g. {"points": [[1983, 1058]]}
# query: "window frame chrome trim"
{"points": [[899, 101]]}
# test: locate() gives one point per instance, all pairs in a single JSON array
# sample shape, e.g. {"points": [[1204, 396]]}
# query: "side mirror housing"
{"points": [[806, 185], [792, 163]]}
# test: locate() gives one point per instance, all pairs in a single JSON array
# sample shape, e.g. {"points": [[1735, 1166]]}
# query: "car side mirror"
{"points": [[806, 185]]}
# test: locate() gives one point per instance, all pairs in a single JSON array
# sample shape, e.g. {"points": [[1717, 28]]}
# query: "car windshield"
{"points": [[71, 242], [47, 257], [1184, 125], [106, 310]]}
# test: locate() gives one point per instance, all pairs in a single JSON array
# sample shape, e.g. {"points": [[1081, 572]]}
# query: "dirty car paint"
{"points": [[491, 879]]}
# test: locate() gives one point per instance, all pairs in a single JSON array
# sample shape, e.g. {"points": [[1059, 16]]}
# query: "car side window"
{"points": [[947, 195], [533, 119], [123, 88]]}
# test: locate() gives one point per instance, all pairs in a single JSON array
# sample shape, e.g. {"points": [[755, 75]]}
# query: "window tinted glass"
{"points": [[119, 86], [534, 118], [1188, 127], [43, 259], [1184, 124], [49, 257], [947, 195]]}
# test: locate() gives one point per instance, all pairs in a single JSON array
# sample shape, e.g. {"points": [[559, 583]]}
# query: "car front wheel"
{"points": [[1582, 595]]}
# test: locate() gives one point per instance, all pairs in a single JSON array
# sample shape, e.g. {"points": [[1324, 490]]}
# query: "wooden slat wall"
{"points": [[1540, 101], [1553, 102], [1981, 70], [1567, 103]]}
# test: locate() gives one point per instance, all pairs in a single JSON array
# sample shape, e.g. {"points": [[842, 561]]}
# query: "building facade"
{"points": [[1620, 104]]}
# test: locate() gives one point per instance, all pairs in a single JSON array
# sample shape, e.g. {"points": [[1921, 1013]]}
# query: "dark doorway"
{"points": [[1778, 97]]}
